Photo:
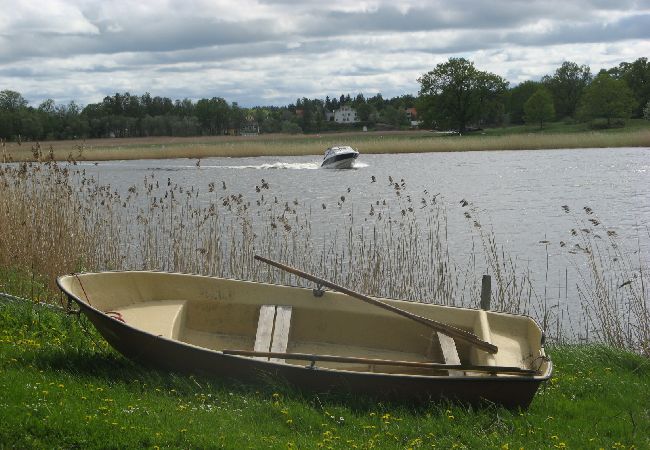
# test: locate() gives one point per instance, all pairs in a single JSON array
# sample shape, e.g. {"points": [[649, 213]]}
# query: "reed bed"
{"points": [[56, 219], [612, 285], [282, 145]]}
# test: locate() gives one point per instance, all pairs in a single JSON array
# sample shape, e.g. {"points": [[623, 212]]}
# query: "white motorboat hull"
{"points": [[339, 158], [341, 163]]}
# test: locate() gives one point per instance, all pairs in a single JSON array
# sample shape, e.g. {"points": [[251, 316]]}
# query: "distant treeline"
{"points": [[452, 96]]}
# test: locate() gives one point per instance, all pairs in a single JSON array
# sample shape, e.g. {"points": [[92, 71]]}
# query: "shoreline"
{"points": [[373, 142]]}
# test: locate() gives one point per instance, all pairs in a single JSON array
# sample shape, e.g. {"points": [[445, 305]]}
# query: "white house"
{"points": [[345, 114]]}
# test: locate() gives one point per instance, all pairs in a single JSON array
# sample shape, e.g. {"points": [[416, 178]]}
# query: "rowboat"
{"points": [[316, 339]]}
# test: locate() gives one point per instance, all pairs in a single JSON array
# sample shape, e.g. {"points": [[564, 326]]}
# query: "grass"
{"points": [[554, 135], [63, 387]]}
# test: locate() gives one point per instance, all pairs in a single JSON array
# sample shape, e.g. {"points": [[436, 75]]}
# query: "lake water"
{"points": [[519, 196]]}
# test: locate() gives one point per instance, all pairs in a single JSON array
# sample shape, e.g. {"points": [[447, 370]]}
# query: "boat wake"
{"points": [[277, 165]]}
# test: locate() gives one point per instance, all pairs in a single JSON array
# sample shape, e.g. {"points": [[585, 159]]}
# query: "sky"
{"points": [[264, 52]]}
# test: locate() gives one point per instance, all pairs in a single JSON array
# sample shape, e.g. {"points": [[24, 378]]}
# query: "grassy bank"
{"points": [[63, 387], [558, 135]]}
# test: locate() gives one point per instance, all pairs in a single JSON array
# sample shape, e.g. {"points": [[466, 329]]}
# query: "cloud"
{"points": [[262, 51]]}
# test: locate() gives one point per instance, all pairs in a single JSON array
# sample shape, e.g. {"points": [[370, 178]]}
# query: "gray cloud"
{"points": [[261, 51]]}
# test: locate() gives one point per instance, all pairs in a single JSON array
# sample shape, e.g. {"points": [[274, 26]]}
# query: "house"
{"points": [[249, 127], [345, 114], [412, 115]]}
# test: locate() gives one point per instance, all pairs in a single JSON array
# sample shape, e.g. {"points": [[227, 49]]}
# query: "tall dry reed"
{"points": [[612, 284], [56, 219]]}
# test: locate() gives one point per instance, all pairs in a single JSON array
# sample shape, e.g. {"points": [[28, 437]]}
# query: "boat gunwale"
{"points": [[288, 286]]}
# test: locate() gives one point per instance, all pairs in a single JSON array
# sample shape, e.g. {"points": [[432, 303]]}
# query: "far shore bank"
{"points": [[373, 142]]}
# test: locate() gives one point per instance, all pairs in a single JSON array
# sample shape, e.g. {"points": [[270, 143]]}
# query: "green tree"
{"points": [[456, 93], [517, 96], [7, 126], [291, 128], [491, 90], [363, 112], [646, 111], [12, 114], [637, 77], [395, 117], [12, 101], [607, 98], [566, 87], [213, 115], [539, 107]]}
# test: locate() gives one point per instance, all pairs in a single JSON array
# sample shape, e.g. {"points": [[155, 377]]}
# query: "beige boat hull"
{"points": [[185, 322]]}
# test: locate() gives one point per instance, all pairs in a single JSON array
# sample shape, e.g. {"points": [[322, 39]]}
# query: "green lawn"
{"points": [[63, 387]]}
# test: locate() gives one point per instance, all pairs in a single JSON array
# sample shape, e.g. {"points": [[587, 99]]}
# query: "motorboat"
{"points": [[339, 157]]}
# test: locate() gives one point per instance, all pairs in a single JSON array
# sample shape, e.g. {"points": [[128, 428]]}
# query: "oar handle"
{"points": [[434, 324]]}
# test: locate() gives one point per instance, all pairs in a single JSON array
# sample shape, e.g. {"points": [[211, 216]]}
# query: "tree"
{"points": [[607, 98], [12, 101], [490, 95], [517, 96], [395, 117], [363, 111], [646, 111], [291, 128], [566, 87], [456, 93], [539, 107], [212, 115], [637, 77], [377, 102]]}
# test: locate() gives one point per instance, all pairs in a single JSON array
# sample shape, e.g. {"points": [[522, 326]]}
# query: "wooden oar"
{"points": [[434, 324], [384, 362]]}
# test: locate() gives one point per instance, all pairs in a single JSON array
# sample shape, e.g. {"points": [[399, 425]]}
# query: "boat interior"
{"points": [[224, 314]]}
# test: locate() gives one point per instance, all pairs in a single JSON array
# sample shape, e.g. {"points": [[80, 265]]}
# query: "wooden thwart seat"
{"points": [[273, 330], [449, 353], [443, 348]]}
